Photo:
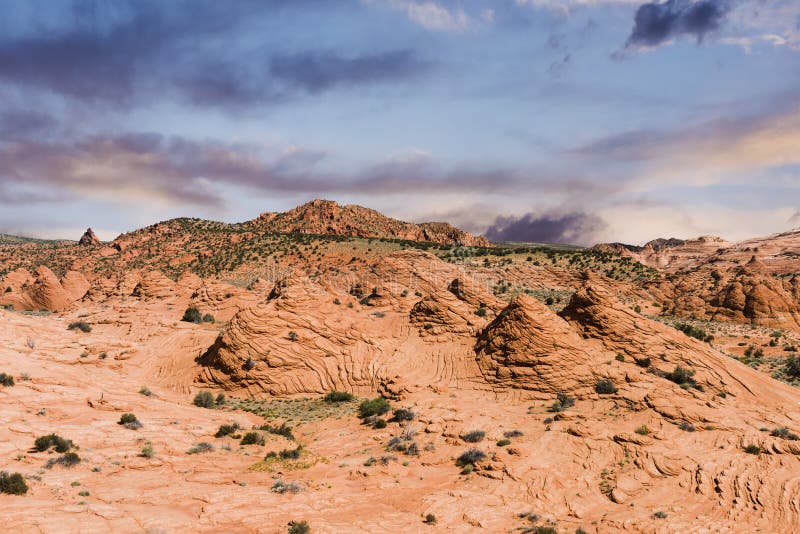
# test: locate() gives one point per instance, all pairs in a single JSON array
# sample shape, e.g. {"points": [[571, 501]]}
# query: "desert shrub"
{"points": [[695, 332], [503, 442], [208, 318], [619, 358], [480, 312], [412, 449], [403, 414], [192, 315], [293, 336], [430, 519], [249, 364], [605, 387], [339, 396], [470, 456], [83, 326], [220, 400], [474, 436], [660, 515], [283, 430], [379, 423], [792, 367], [682, 377], [12, 484], [642, 362], [563, 401], [376, 406], [253, 438], [291, 454], [204, 399], [686, 427], [129, 420], [299, 527], [513, 434], [226, 430], [43, 443], [642, 430], [68, 459], [286, 487], [752, 449], [144, 390], [6, 380], [784, 433], [147, 451], [200, 448]]}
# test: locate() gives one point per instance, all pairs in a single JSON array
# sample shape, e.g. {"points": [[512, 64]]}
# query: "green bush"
{"points": [[503, 442], [204, 399], [67, 459], [299, 527], [784, 433], [200, 448], [129, 420], [403, 414], [642, 430], [339, 396], [376, 406], [605, 387], [473, 436], [379, 423], [470, 457], [283, 430], [83, 326], [226, 430], [43, 443], [12, 484], [253, 438], [147, 451], [208, 318], [6, 380], [430, 519], [192, 315]]}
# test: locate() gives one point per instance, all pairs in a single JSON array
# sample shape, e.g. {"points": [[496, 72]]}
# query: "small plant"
{"points": [[752, 449], [283, 430], [619, 358], [563, 401], [147, 451], [338, 396], [249, 364], [289, 454], [379, 423], [68, 459], [430, 519], [83, 493], [504, 442], [605, 387], [220, 400], [513, 434], [784, 433], [470, 457], [144, 390], [299, 527], [192, 315], [200, 448], [83, 326], [642, 430], [6, 380], [403, 414], [286, 487], [474, 436], [293, 336], [226, 430], [642, 362], [686, 426], [376, 406], [253, 438], [208, 318], [12, 484], [204, 399], [660, 515], [129, 421], [43, 443]]}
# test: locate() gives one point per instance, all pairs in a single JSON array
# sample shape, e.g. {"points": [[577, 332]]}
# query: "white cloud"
{"points": [[431, 15]]}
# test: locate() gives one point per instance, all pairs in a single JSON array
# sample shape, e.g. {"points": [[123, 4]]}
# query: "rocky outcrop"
{"points": [[89, 239], [328, 217]]}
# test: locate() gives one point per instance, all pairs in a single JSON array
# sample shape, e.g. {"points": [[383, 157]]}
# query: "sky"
{"points": [[574, 121]]}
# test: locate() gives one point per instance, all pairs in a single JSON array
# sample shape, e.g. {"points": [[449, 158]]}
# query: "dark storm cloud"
{"points": [[125, 53], [656, 22], [318, 71], [570, 228]]}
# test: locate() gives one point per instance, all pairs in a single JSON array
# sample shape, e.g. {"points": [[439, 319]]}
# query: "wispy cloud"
{"points": [[433, 15]]}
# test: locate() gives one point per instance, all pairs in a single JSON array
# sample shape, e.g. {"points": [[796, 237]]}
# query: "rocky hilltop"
{"points": [[329, 218]]}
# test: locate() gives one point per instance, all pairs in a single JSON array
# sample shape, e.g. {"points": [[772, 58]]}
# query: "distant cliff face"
{"points": [[328, 217]]}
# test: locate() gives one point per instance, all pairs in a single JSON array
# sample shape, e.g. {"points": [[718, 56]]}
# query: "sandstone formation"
{"points": [[89, 239]]}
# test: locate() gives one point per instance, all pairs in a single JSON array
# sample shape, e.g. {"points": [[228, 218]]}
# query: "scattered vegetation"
{"points": [[282, 430], [129, 420], [286, 487], [6, 380], [470, 457], [752, 449], [376, 406], [642, 430], [227, 430], [299, 527], [12, 484], [200, 448], [253, 438], [192, 315], [68, 459], [695, 332], [43, 443], [205, 399], [339, 396], [605, 387], [83, 326], [473, 436], [784, 433], [403, 414], [147, 451], [563, 401]]}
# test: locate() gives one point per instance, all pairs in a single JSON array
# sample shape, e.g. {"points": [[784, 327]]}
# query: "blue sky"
{"points": [[573, 121]]}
